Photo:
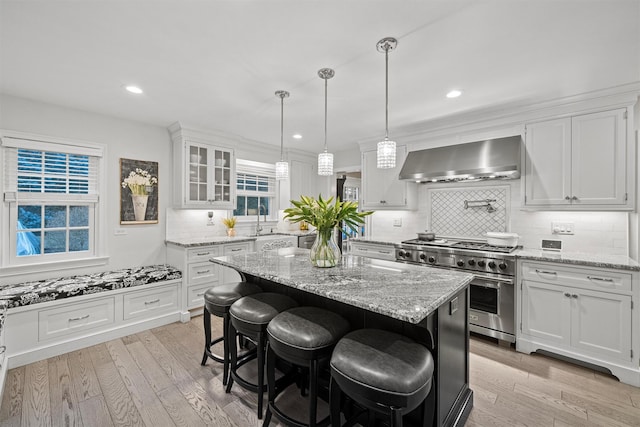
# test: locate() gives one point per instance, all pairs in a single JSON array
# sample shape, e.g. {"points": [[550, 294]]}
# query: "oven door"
{"points": [[491, 303]]}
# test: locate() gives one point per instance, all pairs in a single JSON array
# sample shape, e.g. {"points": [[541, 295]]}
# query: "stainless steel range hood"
{"points": [[489, 159]]}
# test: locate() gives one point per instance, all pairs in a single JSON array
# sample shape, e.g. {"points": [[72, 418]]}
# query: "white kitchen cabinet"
{"points": [[579, 163], [303, 180], [381, 188], [199, 274], [372, 250], [204, 174], [580, 312]]}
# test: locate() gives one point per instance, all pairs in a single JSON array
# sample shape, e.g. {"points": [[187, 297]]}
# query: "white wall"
{"points": [[143, 244]]}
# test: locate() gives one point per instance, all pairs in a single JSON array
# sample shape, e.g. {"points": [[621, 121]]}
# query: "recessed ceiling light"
{"points": [[297, 136], [454, 93], [133, 89]]}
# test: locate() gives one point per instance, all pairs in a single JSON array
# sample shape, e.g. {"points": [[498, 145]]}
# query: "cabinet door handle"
{"points": [[567, 198], [574, 198], [3, 348], [200, 294], [73, 319], [567, 294], [574, 296], [383, 201], [546, 272], [153, 301], [363, 249], [203, 272], [601, 279]]}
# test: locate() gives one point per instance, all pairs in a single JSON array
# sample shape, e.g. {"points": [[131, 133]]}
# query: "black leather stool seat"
{"points": [[250, 316], [380, 368], [304, 336], [254, 312], [217, 301]]}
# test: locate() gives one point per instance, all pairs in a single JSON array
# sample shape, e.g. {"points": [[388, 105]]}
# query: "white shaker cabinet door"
{"points": [[548, 163], [598, 172], [381, 188], [546, 312]]}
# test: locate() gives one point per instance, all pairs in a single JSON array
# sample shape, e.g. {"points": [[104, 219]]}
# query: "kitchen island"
{"points": [[430, 305]]}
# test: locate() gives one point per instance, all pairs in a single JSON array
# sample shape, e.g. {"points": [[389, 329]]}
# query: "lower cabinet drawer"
{"points": [[374, 251], [74, 318], [195, 295], [202, 272], [581, 277], [151, 302]]}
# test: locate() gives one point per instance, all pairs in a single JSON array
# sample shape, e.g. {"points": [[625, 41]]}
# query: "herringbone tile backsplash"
{"points": [[450, 218]]}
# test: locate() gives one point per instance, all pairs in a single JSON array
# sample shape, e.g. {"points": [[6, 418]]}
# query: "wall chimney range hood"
{"points": [[489, 159]]}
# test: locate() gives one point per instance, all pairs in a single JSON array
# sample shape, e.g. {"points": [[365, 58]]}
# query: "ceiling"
{"points": [[215, 65]]}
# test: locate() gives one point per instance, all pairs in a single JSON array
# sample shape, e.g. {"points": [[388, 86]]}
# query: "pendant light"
{"points": [[282, 167], [325, 159], [386, 149]]}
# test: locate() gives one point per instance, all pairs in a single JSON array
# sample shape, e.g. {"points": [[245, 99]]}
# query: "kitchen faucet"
{"points": [[258, 228]]}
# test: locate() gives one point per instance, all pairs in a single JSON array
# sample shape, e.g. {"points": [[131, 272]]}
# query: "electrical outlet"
{"points": [[397, 222], [562, 227], [120, 232]]}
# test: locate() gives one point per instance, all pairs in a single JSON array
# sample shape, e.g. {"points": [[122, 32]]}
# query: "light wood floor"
{"points": [[154, 378]]}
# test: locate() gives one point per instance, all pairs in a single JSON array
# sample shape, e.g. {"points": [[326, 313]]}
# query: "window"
{"points": [[50, 201], [255, 190]]}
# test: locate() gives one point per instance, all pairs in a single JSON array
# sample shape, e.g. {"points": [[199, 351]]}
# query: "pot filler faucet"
{"points": [[260, 208]]}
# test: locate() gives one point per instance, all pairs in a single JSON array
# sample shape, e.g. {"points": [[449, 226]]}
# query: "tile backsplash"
{"points": [[468, 212]]}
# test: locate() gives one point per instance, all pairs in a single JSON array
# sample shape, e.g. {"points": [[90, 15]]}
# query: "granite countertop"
{"points": [[622, 262], [401, 291], [191, 242]]}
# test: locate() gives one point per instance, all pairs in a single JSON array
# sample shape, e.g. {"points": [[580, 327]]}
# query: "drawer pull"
{"points": [[203, 272], [567, 294], [384, 252], [74, 319], [153, 301], [601, 279], [202, 253], [236, 250], [546, 272], [363, 249], [574, 296], [200, 294], [3, 348]]}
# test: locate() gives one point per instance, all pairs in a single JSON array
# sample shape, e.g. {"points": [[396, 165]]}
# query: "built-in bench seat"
{"points": [[45, 318]]}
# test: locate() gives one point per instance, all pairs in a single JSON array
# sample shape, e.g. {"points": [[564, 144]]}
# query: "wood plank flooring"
{"points": [[154, 378]]}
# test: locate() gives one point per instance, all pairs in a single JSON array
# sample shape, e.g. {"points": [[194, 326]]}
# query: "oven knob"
{"points": [[432, 259], [492, 264], [460, 263], [471, 262], [481, 263], [400, 253], [423, 256], [407, 254], [502, 266]]}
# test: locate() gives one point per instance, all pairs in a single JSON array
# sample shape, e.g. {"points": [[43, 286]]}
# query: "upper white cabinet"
{"points": [[580, 163], [381, 188], [303, 179], [204, 176]]}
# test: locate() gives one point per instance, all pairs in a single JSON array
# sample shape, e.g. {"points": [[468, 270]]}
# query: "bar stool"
{"points": [[250, 316], [383, 371], [304, 336], [217, 301]]}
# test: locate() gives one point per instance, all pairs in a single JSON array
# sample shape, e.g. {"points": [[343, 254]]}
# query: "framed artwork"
{"points": [[138, 192]]}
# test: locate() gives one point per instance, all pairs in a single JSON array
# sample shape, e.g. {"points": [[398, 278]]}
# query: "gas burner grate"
{"points": [[481, 246]]}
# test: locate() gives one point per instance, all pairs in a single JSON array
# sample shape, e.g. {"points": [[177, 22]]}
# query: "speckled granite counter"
{"points": [[401, 291], [578, 258], [192, 242], [374, 241]]}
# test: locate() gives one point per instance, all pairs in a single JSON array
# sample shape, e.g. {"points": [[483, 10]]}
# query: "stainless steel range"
{"points": [[492, 294]]}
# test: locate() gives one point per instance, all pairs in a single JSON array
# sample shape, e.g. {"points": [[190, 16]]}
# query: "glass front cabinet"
{"points": [[208, 173]]}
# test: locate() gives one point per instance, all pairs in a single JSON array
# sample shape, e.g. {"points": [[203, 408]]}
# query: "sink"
{"points": [[266, 242]]}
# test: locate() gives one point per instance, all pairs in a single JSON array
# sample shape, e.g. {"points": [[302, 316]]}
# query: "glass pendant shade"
{"points": [[282, 170], [325, 164], [386, 154]]}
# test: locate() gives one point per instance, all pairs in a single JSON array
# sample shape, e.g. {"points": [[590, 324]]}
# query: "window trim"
{"points": [[100, 257]]}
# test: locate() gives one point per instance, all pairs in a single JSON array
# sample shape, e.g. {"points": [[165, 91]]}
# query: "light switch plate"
{"points": [[551, 245], [562, 227], [397, 222]]}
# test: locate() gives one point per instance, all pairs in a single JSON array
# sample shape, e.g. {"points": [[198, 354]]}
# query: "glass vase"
{"points": [[325, 251]]}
